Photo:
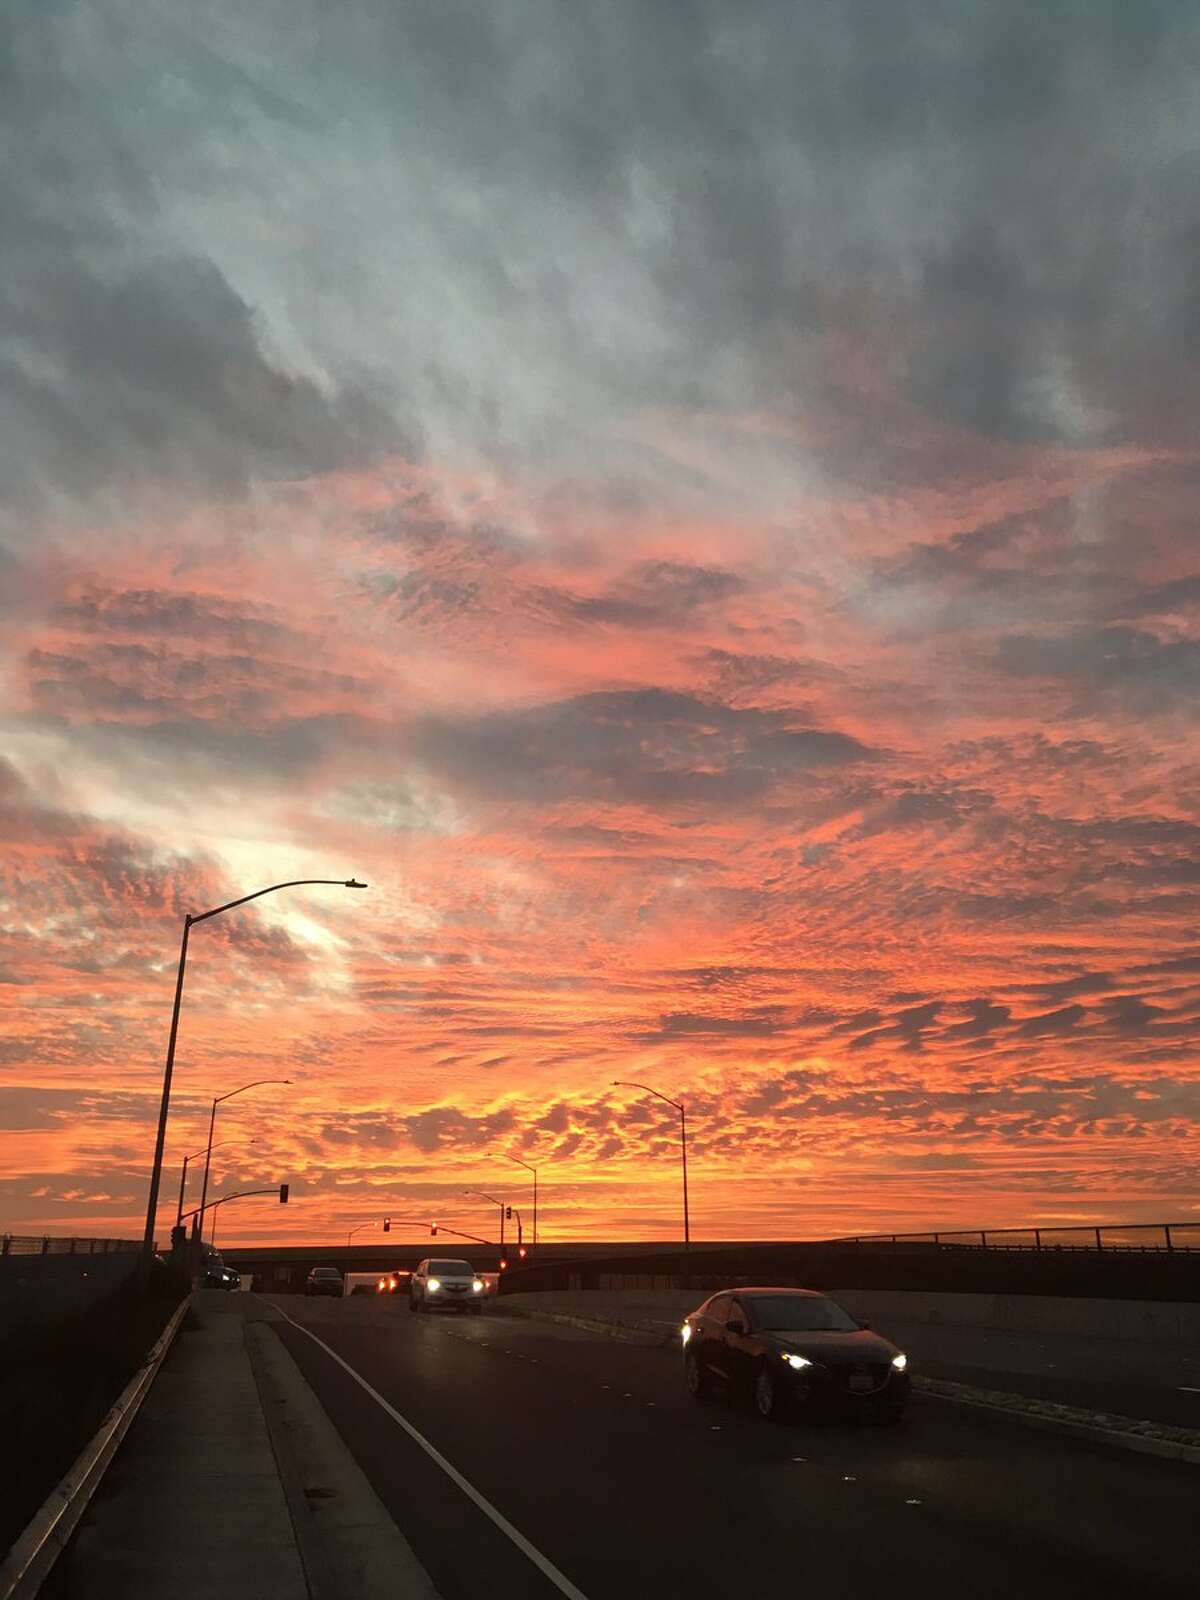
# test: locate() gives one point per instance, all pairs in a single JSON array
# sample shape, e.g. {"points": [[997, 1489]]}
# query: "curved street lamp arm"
{"points": [[211, 1205], [292, 883], [620, 1083], [257, 1082]]}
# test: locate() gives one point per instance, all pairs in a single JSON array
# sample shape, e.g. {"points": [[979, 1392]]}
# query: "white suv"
{"points": [[453, 1284]]}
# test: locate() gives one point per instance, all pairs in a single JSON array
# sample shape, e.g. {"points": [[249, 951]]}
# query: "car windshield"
{"points": [[798, 1313], [451, 1269], [326, 1272]]}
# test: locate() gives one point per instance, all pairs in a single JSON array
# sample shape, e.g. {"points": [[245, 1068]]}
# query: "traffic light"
{"points": [[387, 1224], [433, 1230], [283, 1193], [503, 1264], [508, 1213], [521, 1251]]}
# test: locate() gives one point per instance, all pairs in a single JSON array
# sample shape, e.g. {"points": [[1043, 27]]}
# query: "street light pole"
{"points": [[619, 1083], [183, 1174], [189, 922], [530, 1168], [480, 1195], [212, 1119], [156, 1170], [353, 1231]]}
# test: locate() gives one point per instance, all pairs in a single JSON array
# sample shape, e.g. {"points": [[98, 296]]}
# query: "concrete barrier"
{"points": [[1150, 1321], [43, 1292]]}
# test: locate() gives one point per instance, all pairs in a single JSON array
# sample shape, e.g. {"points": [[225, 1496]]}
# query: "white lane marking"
{"points": [[1185, 1388], [543, 1563]]}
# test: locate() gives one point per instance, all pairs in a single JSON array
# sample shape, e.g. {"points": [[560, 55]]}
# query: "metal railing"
{"points": [[1138, 1237], [12, 1244]]}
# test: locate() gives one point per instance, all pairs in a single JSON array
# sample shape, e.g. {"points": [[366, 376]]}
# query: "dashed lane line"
{"points": [[543, 1563]]}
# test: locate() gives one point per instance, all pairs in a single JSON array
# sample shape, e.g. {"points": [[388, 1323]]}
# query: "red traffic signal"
{"points": [[508, 1213], [503, 1264], [283, 1193], [521, 1251], [433, 1230], [387, 1224]]}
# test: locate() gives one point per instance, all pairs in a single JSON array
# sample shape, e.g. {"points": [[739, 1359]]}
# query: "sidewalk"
{"points": [[192, 1507]]}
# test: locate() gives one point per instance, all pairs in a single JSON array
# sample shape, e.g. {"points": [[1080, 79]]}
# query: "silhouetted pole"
{"points": [[165, 1103], [529, 1167], [619, 1083], [212, 1119]]}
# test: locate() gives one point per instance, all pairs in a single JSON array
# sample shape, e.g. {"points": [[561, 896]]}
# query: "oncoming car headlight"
{"points": [[796, 1362], [433, 1285], [477, 1286], [899, 1362], [685, 1333]]}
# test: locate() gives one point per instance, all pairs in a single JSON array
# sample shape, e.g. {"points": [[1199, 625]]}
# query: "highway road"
{"points": [[613, 1484]]}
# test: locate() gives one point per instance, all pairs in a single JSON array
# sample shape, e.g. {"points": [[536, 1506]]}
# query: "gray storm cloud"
{"points": [[261, 241]]}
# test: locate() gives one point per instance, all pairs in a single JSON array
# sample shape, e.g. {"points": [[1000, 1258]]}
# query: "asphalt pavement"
{"points": [[1122, 1377], [523, 1461]]}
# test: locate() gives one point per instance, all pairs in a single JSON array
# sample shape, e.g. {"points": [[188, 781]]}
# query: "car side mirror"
{"points": [[736, 1327]]}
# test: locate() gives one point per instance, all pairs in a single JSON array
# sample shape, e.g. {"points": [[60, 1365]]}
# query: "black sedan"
{"points": [[792, 1348], [325, 1280]]}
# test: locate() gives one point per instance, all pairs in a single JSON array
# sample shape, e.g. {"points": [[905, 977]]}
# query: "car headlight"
{"points": [[477, 1286], [685, 1333], [796, 1362], [899, 1362], [433, 1284]]}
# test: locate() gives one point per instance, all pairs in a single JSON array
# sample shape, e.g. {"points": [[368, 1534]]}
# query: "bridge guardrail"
{"points": [[1139, 1237], [12, 1244]]}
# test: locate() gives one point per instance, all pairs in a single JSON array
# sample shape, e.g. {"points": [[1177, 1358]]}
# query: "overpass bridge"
{"points": [[1143, 1261]]}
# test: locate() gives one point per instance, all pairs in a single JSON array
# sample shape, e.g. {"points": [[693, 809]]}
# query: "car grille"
{"points": [[877, 1371]]}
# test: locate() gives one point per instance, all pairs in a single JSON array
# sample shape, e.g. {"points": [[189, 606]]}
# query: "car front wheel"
{"points": [[699, 1384], [768, 1400]]}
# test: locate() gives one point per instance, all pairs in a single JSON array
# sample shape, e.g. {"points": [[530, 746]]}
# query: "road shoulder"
{"points": [[351, 1547]]}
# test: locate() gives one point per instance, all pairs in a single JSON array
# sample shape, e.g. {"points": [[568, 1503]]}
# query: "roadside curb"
{"points": [[645, 1331], [31, 1557], [1146, 1438]]}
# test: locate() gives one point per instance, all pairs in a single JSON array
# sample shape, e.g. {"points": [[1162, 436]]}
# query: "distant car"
{"points": [[792, 1349], [324, 1280], [391, 1282], [449, 1285], [218, 1276]]}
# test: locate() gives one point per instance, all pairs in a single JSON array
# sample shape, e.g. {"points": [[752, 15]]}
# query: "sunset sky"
{"points": [[697, 505]]}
